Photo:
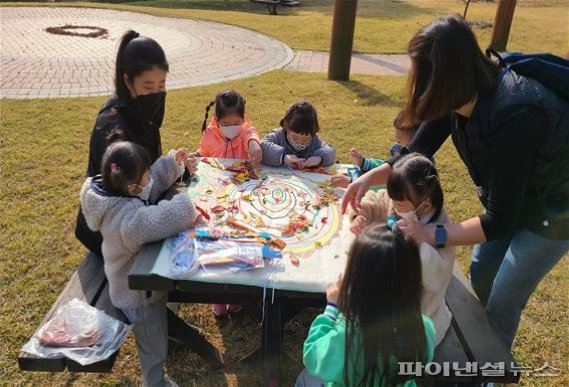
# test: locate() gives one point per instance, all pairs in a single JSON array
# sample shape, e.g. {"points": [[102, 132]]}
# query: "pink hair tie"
{"points": [[113, 167]]}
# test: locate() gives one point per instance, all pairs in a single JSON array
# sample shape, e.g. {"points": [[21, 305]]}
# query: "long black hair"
{"points": [[415, 178], [124, 163], [136, 55], [226, 103], [380, 298], [448, 70]]}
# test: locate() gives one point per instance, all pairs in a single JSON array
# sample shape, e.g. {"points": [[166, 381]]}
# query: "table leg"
{"points": [[272, 342], [192, 337]]}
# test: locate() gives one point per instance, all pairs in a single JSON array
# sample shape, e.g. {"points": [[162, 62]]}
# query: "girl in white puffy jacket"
{"points": [[119, 204]]}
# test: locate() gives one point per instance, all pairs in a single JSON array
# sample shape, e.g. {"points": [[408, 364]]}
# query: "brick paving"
{"points": [[316, 62], [37, 64]]}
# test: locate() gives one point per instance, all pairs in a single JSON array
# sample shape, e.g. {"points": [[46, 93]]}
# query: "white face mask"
{"points": [[230, 131], [410, 216], [145, 193], [297, 147]]}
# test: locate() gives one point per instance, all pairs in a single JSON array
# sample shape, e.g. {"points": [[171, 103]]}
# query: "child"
{"points": [[377, 321], [403, 136], [414, 193], [296, 143], [117, 203], [230, 134]]}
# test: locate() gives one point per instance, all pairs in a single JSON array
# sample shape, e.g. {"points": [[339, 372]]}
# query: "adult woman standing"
{"points": [[133, 113], [513, 135]]}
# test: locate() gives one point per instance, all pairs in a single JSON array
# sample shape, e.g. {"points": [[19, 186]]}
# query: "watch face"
{"points": [[440, 235]]}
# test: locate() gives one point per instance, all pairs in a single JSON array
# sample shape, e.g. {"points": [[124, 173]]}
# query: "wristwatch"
{"points": [[440, 236]]}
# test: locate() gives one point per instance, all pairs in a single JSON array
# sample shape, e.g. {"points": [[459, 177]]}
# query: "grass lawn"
{"points": [[383, 26], [44, 148]]}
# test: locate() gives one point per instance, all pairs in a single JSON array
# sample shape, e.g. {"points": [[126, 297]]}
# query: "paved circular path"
{"points": [[37, 64]]}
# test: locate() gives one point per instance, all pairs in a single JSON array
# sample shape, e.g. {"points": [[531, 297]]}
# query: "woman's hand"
{"points": [[312, 161], [418, 231], [191, 163], [181, 155], [292, 161], [358, 224], [333, 291], [355, 192], [255, 151], [341, 181]]}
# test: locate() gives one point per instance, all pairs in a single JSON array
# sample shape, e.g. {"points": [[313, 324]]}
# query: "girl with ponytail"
{"points": [[414, 193], [133, 113], [118, 203]]}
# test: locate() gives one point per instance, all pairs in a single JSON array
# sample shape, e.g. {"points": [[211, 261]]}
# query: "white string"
{"points": [[272, 272]]}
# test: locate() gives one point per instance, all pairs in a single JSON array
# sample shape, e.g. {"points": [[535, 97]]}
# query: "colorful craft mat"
{"points": [[321, 251]]}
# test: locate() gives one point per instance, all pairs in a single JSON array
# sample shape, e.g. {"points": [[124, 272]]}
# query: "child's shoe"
{"points": [[169, 382], [234, 308], [219, 310]]}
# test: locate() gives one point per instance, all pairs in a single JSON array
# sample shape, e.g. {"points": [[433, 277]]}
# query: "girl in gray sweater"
{"points": [[119, 204], [296, 143]]}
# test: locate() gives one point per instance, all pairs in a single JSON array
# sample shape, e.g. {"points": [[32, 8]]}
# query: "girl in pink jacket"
{"points": [[230, 135]]}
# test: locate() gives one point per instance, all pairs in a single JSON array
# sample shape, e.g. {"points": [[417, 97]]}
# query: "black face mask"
{"points": [[151, 106]]}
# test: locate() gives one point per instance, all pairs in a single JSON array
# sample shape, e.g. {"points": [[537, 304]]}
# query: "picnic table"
{"points": [[471, 352], [470, 340]]}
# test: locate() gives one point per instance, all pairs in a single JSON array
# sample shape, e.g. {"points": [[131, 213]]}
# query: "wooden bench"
{"points": [[272, 5], [471, 338], [88, 283]]}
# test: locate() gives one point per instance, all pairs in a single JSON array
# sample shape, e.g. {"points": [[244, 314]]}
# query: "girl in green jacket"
{"points": [[373, 317]]}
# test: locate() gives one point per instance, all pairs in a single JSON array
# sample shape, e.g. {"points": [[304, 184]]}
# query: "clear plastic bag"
{"points": [[190, 254], [79, 332]]}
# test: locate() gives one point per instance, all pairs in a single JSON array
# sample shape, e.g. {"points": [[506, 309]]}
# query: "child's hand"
{"points": [[191, 163], [292, 161], [181, 155], [357, 157], [333, 291], [255, 151], [358, 224], [341, 181], [313, 161], [200, 221]]}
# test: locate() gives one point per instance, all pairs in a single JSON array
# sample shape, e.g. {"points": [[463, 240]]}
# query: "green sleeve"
{"points": [[430, 335], [324, 347], [370, 163]]}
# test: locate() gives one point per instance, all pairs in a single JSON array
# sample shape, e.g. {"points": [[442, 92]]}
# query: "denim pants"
{"points": [[304, 379], [505, 272], [151, 334]]}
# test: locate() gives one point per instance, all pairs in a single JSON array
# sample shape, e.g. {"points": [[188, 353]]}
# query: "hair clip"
{"points": [[391, 222], [113, 167]]}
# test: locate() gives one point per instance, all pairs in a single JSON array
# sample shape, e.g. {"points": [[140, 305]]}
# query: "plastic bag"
{"points": [[229, 254], [190, 254], [183, 259], [79, 332]]}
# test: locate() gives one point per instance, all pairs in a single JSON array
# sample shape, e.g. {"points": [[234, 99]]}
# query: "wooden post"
{"points": [[502, 24], [343, 26]]}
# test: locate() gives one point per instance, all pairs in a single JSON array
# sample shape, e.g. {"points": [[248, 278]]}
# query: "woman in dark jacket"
{"points": [[134, 113], [513, 135]]}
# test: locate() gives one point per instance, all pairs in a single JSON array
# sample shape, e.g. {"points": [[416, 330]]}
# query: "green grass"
{"points": [[382, 26], [44, 148]]}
